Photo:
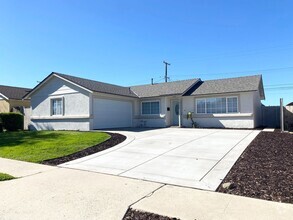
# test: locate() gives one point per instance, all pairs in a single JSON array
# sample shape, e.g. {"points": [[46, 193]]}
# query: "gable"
{"points": [[230, 85], [55, 86]]}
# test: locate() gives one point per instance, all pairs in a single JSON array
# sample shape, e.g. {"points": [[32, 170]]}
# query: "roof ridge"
{"points": [[233, 78], [181, 80]]}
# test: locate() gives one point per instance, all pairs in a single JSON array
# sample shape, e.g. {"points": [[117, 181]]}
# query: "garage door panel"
{"points": [[112, 114]]}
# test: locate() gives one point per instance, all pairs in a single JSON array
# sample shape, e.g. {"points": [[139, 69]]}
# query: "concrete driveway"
{"points": [[197, 158]]}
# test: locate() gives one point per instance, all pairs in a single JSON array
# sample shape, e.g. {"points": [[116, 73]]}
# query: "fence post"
{"points": [[282, 114]]}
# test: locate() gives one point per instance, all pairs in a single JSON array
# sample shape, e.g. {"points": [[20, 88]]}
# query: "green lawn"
{"points": [[37, 146], [4, 176]]}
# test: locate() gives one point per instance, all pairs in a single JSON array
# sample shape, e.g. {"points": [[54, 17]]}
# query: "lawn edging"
{"points": [[114, 140]]}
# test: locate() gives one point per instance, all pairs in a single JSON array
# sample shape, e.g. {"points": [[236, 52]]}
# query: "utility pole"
{"points": [[166, 70]]}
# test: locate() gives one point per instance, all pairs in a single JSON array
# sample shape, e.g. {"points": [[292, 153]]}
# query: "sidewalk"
{"points": [[45, 192], [190, 204]]}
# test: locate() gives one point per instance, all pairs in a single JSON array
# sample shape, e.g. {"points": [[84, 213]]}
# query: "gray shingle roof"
{"points": [[97, 86], [13, 92], [162, 89], [239, 84], [182, 87]]}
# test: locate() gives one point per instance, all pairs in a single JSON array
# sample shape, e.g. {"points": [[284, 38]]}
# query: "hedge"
{"points": [[11, 121]]}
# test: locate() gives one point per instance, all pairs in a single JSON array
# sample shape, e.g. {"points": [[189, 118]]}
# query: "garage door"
{"points": [[112, 114]]}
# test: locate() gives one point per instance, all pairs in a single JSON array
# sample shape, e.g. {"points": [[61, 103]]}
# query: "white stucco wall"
{"points": [[243, 119], [60, 124], [76, 106], [150, 120]]}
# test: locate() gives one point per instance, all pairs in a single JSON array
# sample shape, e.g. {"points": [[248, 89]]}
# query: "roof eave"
{"points": [[109, 93], [157, 96], [224, 92], [5, 97]]}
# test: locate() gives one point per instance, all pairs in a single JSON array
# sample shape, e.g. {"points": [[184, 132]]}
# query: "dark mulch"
{"points": [[264, 170], [133, 214], [114, 140]]}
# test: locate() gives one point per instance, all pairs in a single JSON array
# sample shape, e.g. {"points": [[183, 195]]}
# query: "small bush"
{"points": [[12, 121], [1, 125]]}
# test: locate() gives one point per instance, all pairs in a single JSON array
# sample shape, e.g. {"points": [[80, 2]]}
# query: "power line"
{"points": [[243, 52], [237, 72], [273, 85], [280, 88]]}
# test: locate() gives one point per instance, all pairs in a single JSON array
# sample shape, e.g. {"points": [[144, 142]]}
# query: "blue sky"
{"points": [[125, 42]]}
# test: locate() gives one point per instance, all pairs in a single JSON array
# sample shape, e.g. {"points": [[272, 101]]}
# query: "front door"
{"points": [[175, 112]]}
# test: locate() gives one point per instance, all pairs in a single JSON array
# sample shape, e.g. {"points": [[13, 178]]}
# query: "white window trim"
{"points": [[217, 97], [51, 106], [150, 101]]}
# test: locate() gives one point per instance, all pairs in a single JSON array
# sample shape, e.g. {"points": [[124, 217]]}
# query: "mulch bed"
{"points": [[133, 214], [264, 170], [113, 141]]}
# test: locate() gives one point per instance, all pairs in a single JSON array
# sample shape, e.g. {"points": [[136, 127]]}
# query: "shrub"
{"points": [[12, 121], [1, 125]]}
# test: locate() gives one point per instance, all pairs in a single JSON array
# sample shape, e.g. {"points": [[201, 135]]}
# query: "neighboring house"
{"points": [[71, 103], [11, 100], [290, 104]]}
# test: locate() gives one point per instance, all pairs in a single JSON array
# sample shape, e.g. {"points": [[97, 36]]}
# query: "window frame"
{"points": [[236, 103], [149, 101], [205, 100], [52, 106], [205, 106]]}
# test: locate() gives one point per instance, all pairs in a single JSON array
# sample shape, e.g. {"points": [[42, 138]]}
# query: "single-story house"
{"points": [[11, 98], [65, 102]]}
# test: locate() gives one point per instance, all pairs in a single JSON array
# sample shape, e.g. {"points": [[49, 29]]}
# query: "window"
{"points": [[217, 105], [57, 106], [201, 106], [232, 104], [150, 108]]}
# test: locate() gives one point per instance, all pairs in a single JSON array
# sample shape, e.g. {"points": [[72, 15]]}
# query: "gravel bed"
{"points": [[133, 214], [264, 170], [113, 141]]}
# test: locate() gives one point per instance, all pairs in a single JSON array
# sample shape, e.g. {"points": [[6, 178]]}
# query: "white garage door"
{"points": [[112, 114]]}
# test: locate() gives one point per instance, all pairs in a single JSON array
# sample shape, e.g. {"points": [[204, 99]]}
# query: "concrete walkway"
{"points": [[58, 193], [45, 192], [198, 158]]}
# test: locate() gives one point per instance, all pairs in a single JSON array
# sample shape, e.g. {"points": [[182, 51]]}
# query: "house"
{"points": [[11, 100], [290, 104], [71, 103]]}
